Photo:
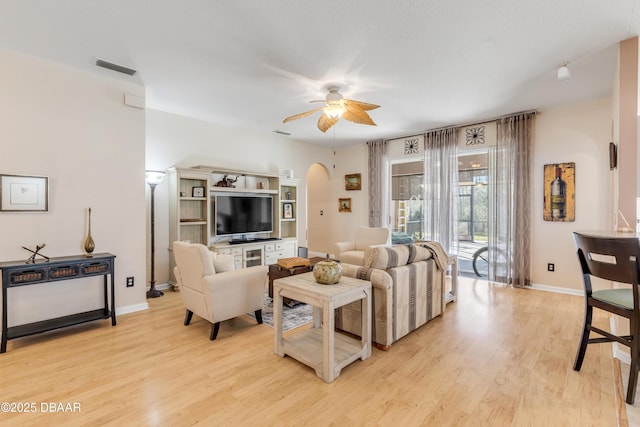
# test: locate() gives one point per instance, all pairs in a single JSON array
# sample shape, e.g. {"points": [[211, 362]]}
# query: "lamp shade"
{"points": [[154, 177], [563, 72]]}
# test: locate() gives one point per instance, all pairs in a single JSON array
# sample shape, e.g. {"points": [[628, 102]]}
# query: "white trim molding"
{"points": [[556, 289], [131, 308]]}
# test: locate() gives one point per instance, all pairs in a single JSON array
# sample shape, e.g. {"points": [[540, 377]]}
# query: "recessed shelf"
{"points": [[199, 222]]}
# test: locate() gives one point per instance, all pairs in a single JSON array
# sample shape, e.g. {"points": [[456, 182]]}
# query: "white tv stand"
{"points": [[265, 252]]}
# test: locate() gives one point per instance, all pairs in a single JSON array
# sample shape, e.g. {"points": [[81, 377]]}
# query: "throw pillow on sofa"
{"points": [[385, 257]]}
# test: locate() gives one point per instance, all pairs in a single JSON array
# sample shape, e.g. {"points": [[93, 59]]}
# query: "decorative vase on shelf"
{"points": [[89, 245], [327, 272]]}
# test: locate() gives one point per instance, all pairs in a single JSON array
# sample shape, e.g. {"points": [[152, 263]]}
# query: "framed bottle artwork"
{"points": [[560, 192]]}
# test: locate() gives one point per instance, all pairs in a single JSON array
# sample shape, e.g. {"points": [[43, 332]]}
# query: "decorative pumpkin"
{"points": [[327, 272]]}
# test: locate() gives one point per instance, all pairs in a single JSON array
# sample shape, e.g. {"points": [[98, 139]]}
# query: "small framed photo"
{"points": [[344, 205], [197, 192], [19, 193], [353, 182], [287, 210]]}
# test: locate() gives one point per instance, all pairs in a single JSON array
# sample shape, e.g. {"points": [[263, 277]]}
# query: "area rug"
{"points": [[295, 316]]}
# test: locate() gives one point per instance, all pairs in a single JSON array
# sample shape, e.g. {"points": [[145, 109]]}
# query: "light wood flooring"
{"points": [[498, 357]]}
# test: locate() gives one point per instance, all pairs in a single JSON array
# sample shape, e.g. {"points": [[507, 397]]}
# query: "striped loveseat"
{"points": [[408, 291]]}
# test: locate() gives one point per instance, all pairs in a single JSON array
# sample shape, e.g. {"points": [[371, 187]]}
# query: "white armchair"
{"points": [[354, 252], [213, 289]]}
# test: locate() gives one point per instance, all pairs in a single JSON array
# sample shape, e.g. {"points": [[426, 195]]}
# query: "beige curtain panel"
{"points": [[510, 229], [441, 188], [377, 150]]}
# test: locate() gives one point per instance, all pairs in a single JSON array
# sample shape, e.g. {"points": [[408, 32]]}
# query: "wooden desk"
{"points": [[320, 347], [18, 273]]}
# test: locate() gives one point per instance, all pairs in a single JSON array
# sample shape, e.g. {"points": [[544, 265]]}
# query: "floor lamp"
{"points": [[153, 178]]}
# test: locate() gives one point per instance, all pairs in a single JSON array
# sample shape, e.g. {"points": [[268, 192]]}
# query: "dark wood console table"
{"points": [[19, 273]]}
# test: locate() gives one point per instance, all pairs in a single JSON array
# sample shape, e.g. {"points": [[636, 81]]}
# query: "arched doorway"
{"points": [[320, 239]]}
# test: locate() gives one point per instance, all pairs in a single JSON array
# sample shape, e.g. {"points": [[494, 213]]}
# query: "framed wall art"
{"points": [[21, 193], [353, 182], [560, 192], [344, 205], [197, 192]]}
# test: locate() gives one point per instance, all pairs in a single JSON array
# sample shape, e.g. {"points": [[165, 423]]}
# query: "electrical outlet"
{"points": [[551, 266], [129, 282]]}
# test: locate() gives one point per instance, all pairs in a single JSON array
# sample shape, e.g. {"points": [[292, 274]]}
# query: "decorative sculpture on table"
{"points": [[32, 258], [227, 182]]}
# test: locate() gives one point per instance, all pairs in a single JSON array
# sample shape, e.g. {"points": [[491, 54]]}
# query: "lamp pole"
{"points": [[153, 178]]}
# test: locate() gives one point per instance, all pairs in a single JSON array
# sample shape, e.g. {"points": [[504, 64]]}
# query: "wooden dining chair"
{"points": [[614, 259]]}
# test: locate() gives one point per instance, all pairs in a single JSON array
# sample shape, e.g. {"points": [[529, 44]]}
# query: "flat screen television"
{"points": [[236, 214]]}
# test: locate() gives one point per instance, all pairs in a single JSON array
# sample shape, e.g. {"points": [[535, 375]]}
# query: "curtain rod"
{"points": [[534, 112]]}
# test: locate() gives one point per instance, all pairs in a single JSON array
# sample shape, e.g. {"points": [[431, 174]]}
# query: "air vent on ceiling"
{"points": [[115, 67]]}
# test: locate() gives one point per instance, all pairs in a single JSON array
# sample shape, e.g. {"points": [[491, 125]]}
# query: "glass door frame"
{"points": [[388, 186]]}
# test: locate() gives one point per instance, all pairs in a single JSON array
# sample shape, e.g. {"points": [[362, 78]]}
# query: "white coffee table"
{"points": [[320, 347]]}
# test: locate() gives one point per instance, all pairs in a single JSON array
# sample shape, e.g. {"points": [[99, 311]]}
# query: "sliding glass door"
{"points": [[473, 212], [406, 213]]}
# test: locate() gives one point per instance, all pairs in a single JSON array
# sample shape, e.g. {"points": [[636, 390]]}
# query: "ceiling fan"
{"points": [[337, 106]]}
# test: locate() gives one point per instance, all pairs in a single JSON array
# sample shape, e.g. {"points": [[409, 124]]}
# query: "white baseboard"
{"points": [[161, 287], [555, 289], [164, 286], [131, 308], [142, 306]]}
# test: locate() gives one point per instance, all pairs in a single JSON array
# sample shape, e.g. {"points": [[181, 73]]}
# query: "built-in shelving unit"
{"points": [[288, 208], [190, 213], [188, 210]]}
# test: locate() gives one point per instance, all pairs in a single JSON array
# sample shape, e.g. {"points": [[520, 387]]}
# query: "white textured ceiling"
{"points": [[251, 63]]}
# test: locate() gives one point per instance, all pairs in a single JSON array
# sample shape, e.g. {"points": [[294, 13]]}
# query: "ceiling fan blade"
{"points": [[301, 115], [325, 122], [358, 116], [360, 105]]}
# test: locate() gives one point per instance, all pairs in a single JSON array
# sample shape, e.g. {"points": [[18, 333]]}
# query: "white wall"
{"points": [[349, 160], [174, 140], [74, 128], [320, 210], [577, 133]]}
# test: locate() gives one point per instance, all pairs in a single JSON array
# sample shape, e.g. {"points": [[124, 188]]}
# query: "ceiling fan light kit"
{"points": [[336, 107]]}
